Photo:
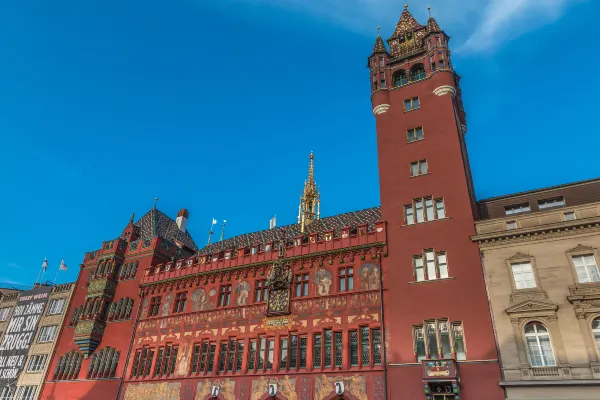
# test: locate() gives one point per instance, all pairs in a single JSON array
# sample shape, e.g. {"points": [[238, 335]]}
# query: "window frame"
{"points": [[39, 365], [537, 335], [551, 201], [420, 204], [520, 258], [419, 164], [261, 291], [41, 330], [415, 129], [581, 251], [411, 101], [396, 78], [424, 265], [515, 209], [451, 325], [347, 277], [180, 302], [51, 306], [224, 295], [302, 284], [155, 301]]}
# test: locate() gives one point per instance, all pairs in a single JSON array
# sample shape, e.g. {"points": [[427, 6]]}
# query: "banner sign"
{"points": [[21, 333]]}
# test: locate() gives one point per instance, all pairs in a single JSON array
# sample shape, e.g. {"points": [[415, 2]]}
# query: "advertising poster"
{"points": [[21, 333]]}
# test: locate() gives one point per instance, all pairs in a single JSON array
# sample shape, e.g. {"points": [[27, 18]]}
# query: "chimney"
{"points": [[182, 217]]}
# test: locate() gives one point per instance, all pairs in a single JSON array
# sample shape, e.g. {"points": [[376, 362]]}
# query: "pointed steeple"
{"points": [[432, 25], [379, 46], [310, 199]]}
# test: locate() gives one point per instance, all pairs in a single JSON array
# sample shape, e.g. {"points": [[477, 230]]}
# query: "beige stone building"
{"points": [[40, 351], [540, 253]]}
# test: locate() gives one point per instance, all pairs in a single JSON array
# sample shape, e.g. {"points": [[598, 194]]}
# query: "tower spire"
{"points": [[310, 198]]}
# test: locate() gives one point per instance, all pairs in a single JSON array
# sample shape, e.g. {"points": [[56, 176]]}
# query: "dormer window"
{"points": [[517, 209], [553, 202], [254, 250]]}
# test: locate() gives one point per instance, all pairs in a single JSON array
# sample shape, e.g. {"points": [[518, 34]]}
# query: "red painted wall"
{"points": [[462, 299]]}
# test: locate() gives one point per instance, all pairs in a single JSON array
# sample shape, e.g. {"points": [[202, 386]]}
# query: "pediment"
{"points": [[519, 256], [579, 248], [532, 307]]}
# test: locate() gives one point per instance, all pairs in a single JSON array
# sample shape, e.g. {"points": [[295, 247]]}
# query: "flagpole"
{"points": [[223, 230], [43, 268], [211, 231], [55, 276]]}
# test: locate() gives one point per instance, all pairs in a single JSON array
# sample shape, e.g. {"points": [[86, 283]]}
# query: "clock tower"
{"points": [[435, 304]]}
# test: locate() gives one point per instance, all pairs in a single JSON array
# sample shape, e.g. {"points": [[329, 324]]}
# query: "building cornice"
{"points": [[263, 264], [541, 232]]}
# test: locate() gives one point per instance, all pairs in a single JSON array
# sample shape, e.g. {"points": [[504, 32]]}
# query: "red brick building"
{"points": [[382, 303]]}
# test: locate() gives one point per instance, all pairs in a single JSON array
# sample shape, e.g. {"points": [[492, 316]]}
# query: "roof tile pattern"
{"points": [[366, 216], [155, 223]]}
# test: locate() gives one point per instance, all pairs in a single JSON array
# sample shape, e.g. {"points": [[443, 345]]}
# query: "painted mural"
{"points": [[200, 301], [356, 385], [203, 389], [369, 277], [242, 289], [323, 281], [154, 391]]}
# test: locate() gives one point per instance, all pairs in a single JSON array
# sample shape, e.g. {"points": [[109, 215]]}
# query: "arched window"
{"points": [[400, 78], [418, 72], [68, 366], [538, 345], [103, 364], [596, 331]]}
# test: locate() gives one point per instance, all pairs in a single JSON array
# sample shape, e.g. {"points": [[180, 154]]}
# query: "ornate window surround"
{"points": [[580, 250], [518, 294]]}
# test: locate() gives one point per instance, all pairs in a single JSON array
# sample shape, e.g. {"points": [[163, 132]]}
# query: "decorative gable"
{"points": [[532, 308], [519, 256], [579, 248]]}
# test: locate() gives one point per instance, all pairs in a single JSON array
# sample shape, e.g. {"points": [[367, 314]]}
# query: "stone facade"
{"points": [[536, 292]]}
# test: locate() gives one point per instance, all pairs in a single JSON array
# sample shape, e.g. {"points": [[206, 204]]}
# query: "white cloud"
{"points": [[13, 265], [477, 25]]}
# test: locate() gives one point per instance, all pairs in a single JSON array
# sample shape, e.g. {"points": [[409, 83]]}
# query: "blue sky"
{"points": [[215, 106]]}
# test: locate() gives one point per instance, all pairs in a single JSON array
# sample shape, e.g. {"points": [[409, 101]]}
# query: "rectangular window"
{"points": [[200, 353], [180, 299], [317, 351], [261, 291], [432, 63], [303, 351], [47, 333], [222, 356], [549, 203], [441, 60], [262, 344], [365, 344], [570, 216], [586, 268], [419, 339], [211, 357], [283, 356], [511, 225], [36, 363], [338, 349], [376, 335], [4, 313], [240, 356], [346, 279], [443, 340], [154, 306], [252, 355], [418, 168], [411, 104], [424, 209], [302, 285], [523, 275], [224, 295], [409, 216], [430, 266], [353, 348], [270, 353], [165, 362], [517, 209], [293, 351], [142, 363], [327, 348], [414, 134], [56, 306], [26, 393]]}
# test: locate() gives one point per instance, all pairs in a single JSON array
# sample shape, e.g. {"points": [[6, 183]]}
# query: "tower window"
{"points": [[432, 63], [381, 63], [430, 265], [411, 104], [417, 72], [382, 80], [441, 60], [418, 168], [414, 134], [439, 339], [400, 78], [424, 209]]}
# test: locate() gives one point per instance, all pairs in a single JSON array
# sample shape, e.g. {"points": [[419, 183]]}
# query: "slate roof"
{"points": [[155, 223], [335, 222]]}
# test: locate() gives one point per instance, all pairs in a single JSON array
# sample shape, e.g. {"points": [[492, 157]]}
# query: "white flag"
{"points": [[214, 221], [45, 264], [273, 222], [63, 266]]}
